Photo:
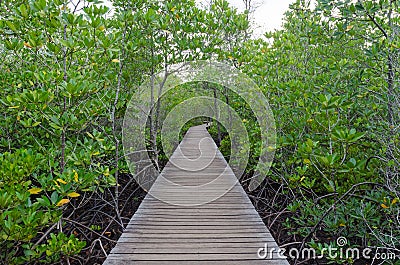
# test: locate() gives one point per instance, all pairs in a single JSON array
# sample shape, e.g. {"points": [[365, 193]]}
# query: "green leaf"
{"points": [[54, 197], [23, 10], [11, 25]]}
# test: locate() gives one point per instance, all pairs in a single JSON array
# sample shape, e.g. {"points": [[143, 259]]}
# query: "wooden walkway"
{"points": [[181, 228]]}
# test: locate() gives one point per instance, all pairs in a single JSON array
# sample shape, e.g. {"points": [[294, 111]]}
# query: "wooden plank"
{"points": [[171, 214], [200, 245], [252, 250], [178, 234], [226, 230], [190, 241], [191, 256], [195, 223], [177, 230], [120, 261]]}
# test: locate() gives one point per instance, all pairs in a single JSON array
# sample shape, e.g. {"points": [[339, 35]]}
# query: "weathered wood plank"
{"points": [[137, 241], [214, 234], [200, 245], [221, 251], [121, 261], [191, 256]]}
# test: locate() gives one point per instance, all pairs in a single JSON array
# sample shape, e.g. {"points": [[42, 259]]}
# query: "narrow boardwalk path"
{"points": [[181, 228]]}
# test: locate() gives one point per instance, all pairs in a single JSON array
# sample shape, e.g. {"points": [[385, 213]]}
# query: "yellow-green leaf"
{"points": [[75, 176], [73, 194], [55, 182], [62, 202], [271, 148], [11, 25], [62, 181], [115, 61], [35, 190]]}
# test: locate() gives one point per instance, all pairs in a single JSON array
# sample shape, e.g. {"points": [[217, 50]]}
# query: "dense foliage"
{"points": [[68, 70], [332, 77]]}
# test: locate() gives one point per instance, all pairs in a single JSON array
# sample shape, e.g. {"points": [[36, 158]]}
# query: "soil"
{"points": [[96, 221]]}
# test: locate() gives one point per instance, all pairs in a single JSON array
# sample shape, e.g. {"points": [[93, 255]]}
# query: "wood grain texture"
{"points": [[183, 230]]}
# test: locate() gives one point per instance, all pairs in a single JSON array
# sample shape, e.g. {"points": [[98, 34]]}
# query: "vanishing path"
{"points": [[181, 228]]}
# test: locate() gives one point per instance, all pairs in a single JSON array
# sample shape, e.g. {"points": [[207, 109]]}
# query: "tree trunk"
{"points": [[217, 114]]}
